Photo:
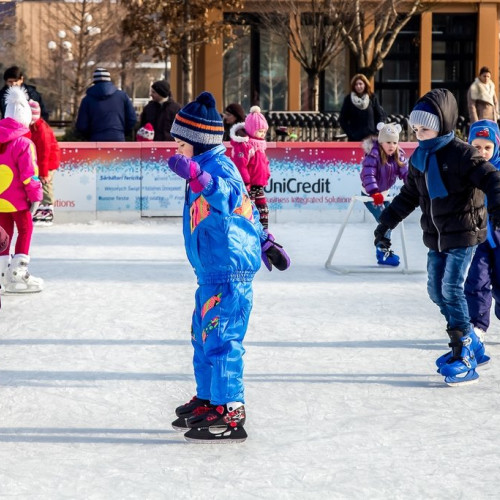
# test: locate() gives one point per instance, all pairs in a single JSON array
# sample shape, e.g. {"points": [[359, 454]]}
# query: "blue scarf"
{"points": [[424, 160]]}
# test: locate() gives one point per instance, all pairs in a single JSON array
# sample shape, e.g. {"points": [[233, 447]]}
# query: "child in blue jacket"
{"points": [[224, 243], [483, 280]]}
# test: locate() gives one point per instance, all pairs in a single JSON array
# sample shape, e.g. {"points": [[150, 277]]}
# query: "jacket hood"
{"points": [[11, 129], [445, 104], [102, 90], [233, 133], [369, 144]]}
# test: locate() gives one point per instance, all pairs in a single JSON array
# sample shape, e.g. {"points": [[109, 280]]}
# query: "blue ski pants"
{"points": [[220, 321]]}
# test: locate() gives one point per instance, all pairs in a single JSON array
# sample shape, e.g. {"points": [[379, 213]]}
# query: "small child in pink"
{"points": [[248, 141], [20, 192]]}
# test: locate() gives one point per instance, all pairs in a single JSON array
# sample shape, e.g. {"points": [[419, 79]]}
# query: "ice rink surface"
{"points": [[342, 397]]}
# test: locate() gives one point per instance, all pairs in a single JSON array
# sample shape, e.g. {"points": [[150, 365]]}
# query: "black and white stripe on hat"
{"points": [[101, 75]]}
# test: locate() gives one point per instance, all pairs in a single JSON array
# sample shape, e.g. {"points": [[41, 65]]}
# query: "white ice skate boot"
{"points": [[4, 264], [19, 280]]}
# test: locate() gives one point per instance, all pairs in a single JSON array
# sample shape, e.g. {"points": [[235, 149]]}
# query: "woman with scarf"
{"points": [[482, 98], [361, 110], [448, 179]]}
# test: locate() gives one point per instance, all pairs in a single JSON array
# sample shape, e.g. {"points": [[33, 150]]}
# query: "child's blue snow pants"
{"points": [[220, 321]]}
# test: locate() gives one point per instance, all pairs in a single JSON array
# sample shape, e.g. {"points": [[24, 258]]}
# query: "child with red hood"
{"points": [[49, 157], [20, 192]]}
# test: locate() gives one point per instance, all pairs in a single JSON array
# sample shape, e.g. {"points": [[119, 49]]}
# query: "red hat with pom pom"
{"points": [[146, 133]]}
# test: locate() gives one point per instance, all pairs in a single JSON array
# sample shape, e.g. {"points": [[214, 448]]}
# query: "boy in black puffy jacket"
{"points": [[448, 179]]}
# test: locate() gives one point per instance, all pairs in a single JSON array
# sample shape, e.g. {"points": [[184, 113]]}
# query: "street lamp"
{"points": [[64, 54]]}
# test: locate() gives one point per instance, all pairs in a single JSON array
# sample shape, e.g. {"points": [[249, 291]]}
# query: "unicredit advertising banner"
{"points": [[135, 177]]}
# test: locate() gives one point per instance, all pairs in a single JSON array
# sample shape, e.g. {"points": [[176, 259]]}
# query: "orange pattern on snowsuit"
{"points": [[210, 304]]}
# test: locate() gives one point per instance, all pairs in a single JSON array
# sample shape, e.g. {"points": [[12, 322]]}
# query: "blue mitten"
{"points": [[273, 254]]}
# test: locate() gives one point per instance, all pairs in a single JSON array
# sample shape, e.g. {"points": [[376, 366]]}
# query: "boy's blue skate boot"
{"points": [[460, 368], [477, 346], [386, 257]]}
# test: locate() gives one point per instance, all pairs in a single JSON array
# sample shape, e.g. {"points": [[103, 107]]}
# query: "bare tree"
{"points": [[169, 27], [310, 29], [369, 29]]}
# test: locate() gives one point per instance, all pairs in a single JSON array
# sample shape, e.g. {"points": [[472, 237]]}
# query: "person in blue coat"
{"points": [[224, 243], [483, 280], [106, 114]]}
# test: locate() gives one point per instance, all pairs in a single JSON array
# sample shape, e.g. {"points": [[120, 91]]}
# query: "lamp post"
{"points": [[62, 52]]}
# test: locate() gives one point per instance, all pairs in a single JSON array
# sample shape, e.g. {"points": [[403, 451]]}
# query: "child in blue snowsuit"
{"points": [[483, 281], [224, 243]]}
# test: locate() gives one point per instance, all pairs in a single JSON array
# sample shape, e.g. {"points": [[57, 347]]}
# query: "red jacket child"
{"points": [[47, 147]]}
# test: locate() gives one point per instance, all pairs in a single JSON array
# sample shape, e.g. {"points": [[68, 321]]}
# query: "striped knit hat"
{"points": [[425, 115], [199, 124], [101, 75], [35, 110]]}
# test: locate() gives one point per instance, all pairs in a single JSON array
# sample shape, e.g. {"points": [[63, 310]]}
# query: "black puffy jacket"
{"points": [[459, 219]]}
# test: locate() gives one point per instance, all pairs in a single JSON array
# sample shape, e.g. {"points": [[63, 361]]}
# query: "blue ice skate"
{"points": [[386, 257], [477, 347], [460, 368]]}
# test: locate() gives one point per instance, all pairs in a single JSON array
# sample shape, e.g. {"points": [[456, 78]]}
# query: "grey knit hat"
{"points": [[425, 115], [388, 132]]}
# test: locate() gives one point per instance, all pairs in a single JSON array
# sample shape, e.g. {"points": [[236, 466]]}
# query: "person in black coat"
{"points": [[160, 111], [447, 179], [14, 76], [105, 113], [361, 111]]}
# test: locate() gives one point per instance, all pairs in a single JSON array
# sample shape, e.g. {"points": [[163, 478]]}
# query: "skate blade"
{"points": [[23, 290], [454, 382], [217, 435]]}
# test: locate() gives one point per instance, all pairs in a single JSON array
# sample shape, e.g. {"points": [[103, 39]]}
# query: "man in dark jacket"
{"points": [[447, 178], [106, 114], [160, 111], [14, 76]]}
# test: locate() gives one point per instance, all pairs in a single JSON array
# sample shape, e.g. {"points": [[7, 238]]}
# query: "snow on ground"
{"points": [[343, 401]]}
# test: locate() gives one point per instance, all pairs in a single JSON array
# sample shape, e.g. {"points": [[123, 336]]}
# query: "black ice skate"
{"points": [[192, 408], [221, 424]]}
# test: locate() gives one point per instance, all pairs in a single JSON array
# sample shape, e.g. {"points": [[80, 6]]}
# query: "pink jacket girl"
{"points": [[248, 141], [20, 193], [249, 148]]}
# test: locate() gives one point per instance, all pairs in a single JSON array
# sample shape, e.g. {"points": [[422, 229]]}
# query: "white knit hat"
{"points": [[17, 106], [388, 132]]}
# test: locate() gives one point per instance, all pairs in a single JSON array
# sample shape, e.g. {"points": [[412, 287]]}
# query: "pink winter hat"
{"points": [[254, 121], [35, 110], [146, 133]]}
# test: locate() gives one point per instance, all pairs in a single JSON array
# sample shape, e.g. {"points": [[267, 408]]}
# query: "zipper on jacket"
{"points": [[432, 213]]}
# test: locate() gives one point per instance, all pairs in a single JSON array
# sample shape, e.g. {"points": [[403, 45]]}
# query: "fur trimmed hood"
{"points": [[237, 133]]}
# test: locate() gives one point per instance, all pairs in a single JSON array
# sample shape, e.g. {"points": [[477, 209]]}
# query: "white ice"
{"points": [[342, 397]]}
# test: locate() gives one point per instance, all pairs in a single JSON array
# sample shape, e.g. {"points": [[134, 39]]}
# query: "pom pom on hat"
{"points": [[425, 115], [388, 132], [254, 121], [199, 124], [17, 106], [35, 110], [101, 75], [146, 133]]}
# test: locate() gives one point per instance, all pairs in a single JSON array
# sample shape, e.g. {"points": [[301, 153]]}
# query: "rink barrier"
{"points": [[310, 181]]}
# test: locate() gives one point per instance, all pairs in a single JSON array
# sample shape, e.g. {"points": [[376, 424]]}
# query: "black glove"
{"points": [[495, 220], [273, 254], [380, 240]]}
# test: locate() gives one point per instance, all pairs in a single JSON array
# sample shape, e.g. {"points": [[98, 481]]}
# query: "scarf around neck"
{"points": [[360, 102], [424, 160], [480, 91]]}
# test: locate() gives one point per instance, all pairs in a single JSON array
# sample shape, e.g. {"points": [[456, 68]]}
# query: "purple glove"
{"points": [[190, 170], [273, 254]]}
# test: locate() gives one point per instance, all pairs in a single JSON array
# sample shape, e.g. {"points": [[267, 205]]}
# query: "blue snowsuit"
{"points": [[223, 236], [483, 281]]}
